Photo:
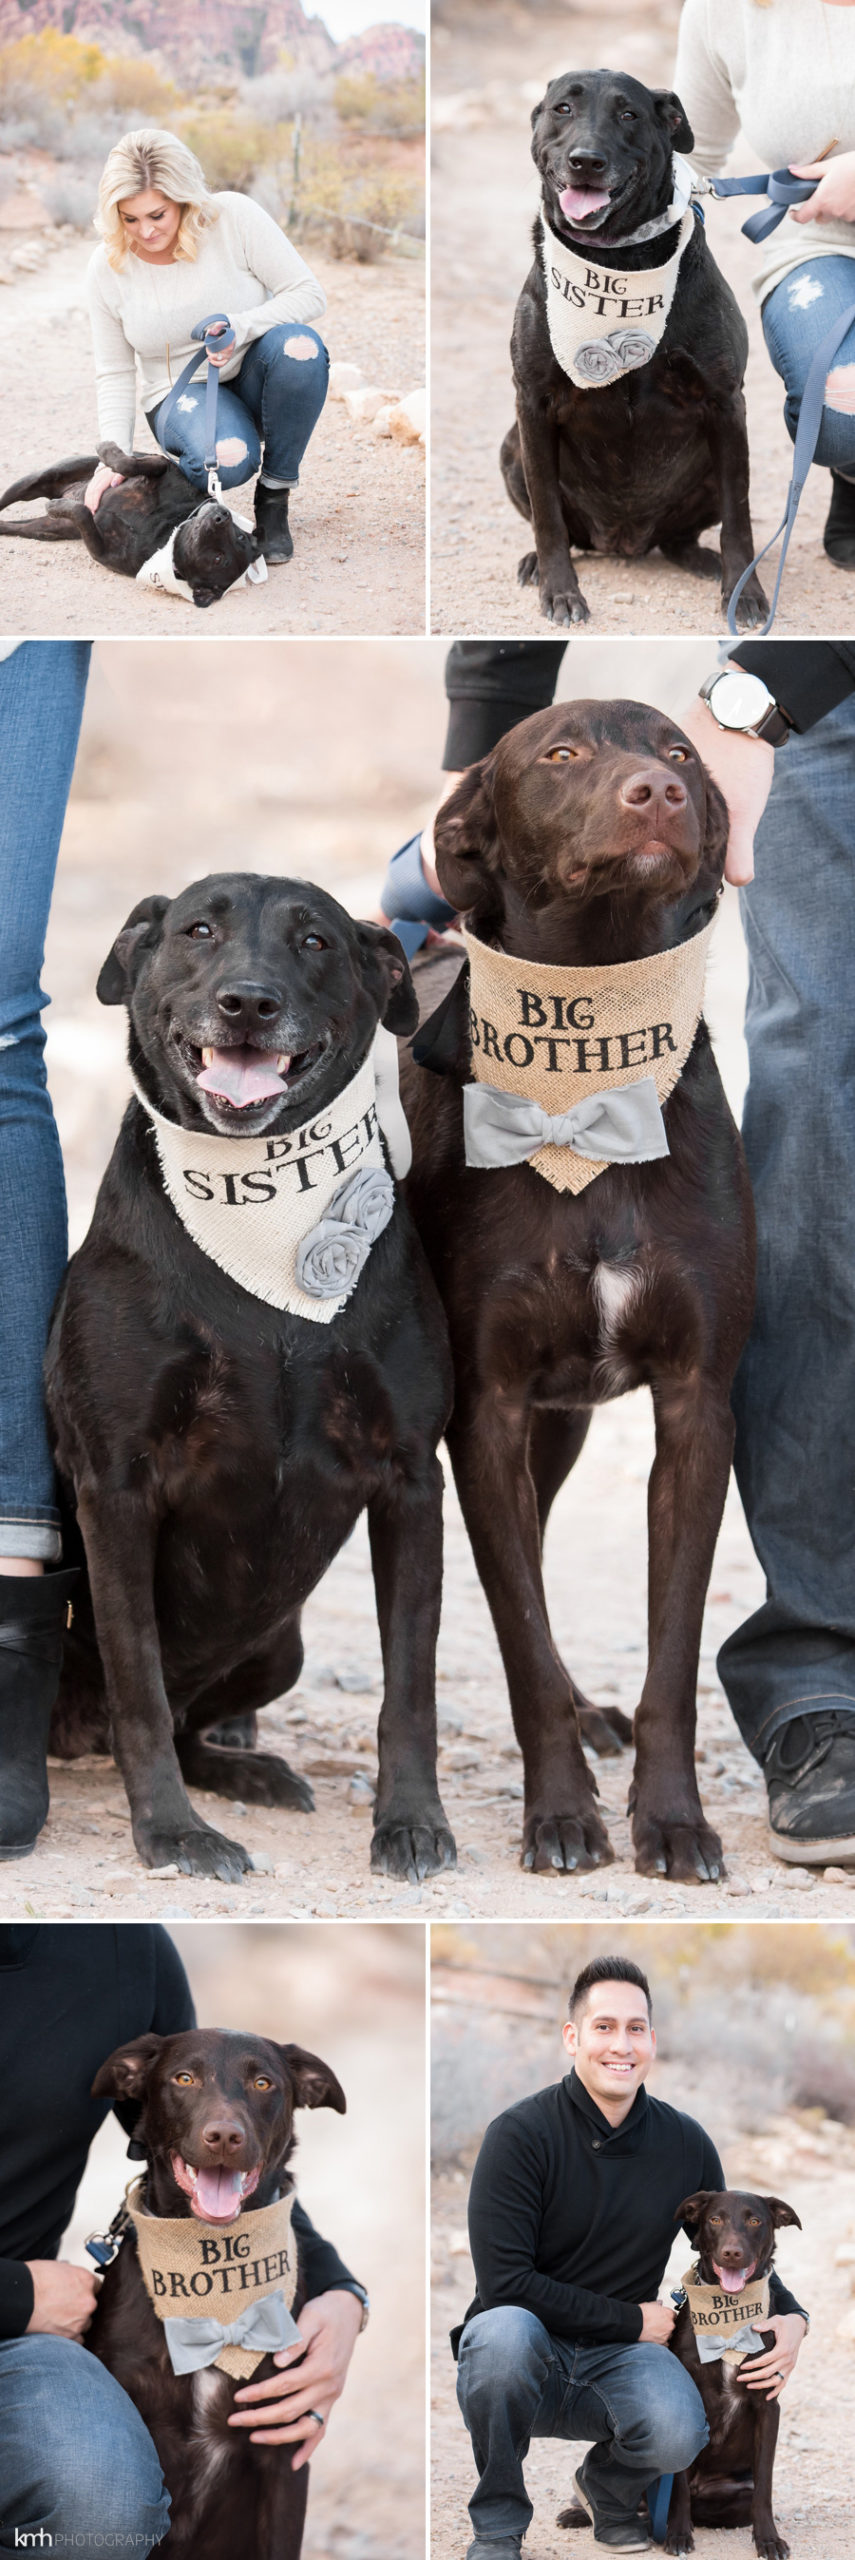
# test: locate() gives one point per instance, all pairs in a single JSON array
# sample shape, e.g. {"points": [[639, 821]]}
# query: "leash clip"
{"points": [[104, 2246]]}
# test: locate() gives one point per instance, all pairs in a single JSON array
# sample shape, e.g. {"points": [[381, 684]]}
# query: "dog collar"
{"points": [[160, 571], [686, 186], [722, 2322], [564, 1039], [222, 2293], [604, 323], [292, 1217]]}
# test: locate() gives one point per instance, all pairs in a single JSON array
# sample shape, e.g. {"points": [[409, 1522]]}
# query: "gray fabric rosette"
{"points": [[333, 1255], [596, 361], [632, 347]]}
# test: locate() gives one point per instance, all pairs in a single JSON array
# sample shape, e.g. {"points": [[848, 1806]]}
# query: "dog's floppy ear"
{"points": [[466, 838], [114, 982], [692, 2206], [537, 111], [314, 2083], [670, 111], [125, 2073], [781, 2212], [387, 973]]}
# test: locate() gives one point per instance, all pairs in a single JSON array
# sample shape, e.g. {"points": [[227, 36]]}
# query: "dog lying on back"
{"points": [[136, 520], [644, 442], [216, 2126]]}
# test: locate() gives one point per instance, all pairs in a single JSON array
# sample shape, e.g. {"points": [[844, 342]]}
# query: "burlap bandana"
{"points": [[722, 2322], [561, 1035], [604, 323], [196, 2270], [293, 1218]]}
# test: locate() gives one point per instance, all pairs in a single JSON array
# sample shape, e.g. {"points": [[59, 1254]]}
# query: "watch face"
{"points": [[740, 700]]}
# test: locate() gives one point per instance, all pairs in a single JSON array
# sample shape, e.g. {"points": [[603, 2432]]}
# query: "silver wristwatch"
{"points": [[740, 700]]}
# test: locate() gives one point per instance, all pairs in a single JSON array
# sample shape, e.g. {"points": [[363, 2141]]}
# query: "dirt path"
{"points": [[810, 2163], [484, 199], [358, 517]]}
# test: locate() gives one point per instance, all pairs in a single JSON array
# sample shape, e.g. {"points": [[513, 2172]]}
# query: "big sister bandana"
{"points": [[570, 1067], [602, 322], [222, 2292]]}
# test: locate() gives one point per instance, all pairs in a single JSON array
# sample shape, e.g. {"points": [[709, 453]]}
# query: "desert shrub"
{"points": [[380, 106], [69, 199], [232, 147]]}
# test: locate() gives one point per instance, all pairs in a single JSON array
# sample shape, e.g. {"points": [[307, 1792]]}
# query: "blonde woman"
{"points": [[783, 71], [170, 255]]}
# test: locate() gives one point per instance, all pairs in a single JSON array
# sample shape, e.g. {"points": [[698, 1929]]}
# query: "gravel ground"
{"points": [[358, 516], [487, 75], [810, 2163]]}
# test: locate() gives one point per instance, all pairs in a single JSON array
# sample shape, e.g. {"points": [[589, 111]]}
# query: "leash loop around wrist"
{"points": [[215, 332]]}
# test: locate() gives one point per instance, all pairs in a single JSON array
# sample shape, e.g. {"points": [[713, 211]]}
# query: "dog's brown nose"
{"points": [[247, 1004], [223, 2136], [651, 788]]}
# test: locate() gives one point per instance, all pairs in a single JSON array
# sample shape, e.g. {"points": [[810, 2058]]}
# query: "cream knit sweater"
{"points": [[784, 76], [142, 315]]}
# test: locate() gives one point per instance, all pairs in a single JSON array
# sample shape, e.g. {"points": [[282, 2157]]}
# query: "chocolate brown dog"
{"points": [[216, 2125], [730, 2483], [590, 836]]}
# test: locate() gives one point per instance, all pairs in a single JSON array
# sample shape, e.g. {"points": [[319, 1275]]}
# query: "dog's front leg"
{"points": [[561, 598], [688, 1483], [769, 2542], [728, 436], [411, 1835], [120, 1537], [133, 466], [679, 2537], [488, 1446]]}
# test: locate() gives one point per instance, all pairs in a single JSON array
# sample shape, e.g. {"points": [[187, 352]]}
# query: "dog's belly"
{"points": [[648, 474], [226, 1587]]}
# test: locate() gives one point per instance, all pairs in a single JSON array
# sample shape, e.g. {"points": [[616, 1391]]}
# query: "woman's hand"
{"points": [[211, 352], [834, 200], [101, 479]]}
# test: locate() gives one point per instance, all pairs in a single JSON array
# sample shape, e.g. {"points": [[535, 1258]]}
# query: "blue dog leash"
{"points": [[216, 332], [783, 190]]}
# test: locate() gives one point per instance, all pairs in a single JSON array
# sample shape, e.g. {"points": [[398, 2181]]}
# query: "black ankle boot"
{"points": [[33, 1617], [271, 523], [839, 536]]}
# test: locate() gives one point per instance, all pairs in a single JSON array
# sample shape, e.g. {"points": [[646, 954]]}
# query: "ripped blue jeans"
{"points": [[796, 317], [268, 409]]}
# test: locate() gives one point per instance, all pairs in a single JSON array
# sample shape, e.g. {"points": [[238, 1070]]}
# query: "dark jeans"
{"points": [[795, 1389], [636, 2405], [272, 404], [77, 2466], [796, 318]]}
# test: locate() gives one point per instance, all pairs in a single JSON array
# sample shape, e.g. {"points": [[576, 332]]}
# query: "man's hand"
{"points": [[657, 2321], [743, 768], [769, 2372], [329, 2327], [65, 2297]]}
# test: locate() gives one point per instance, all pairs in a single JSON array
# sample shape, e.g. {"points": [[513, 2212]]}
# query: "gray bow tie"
{"points": [[711, 2349], [623, 1127], [264, 2326]]}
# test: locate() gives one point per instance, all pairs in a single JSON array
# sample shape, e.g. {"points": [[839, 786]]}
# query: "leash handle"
{"points": [[217, 329], [659, 2500], [807, 438], [782, 190]]}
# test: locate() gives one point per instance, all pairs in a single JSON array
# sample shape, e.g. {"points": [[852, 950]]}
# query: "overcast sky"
{"points": [[351, 17]]}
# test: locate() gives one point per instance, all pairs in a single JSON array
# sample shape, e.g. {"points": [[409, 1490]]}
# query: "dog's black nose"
{"points": [[588, 164], [223, 2136], [247, 1004], [651, 788]]}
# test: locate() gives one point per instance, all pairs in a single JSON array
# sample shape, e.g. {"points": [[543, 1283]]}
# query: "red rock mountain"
{"points": [[200, 40]]}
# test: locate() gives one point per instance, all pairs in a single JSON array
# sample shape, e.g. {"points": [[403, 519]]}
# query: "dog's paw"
{"points": [[563, 607], [677, 2543], [753, 606], [685, 1852], [772, 2546], [569, 2518], [605, 1730], [527, 570], [198, 1852], [565, 1841], [412, 1846]]}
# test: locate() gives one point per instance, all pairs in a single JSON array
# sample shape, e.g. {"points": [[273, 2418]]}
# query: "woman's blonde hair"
{"points": [[152, 158]]}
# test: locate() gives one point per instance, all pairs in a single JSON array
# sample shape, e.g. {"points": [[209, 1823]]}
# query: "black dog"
{"points": [[590, 836], [730, 2482], [217, 2119], [657, 455], [219, 1449], [134, 521]]}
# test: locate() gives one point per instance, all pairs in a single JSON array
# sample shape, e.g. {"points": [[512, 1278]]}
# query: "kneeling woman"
{"points": [[171, 254]]}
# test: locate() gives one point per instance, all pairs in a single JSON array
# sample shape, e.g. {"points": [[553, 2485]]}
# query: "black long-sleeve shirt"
{"points": [[491, 684], [69, 1994], [574, 2219]]}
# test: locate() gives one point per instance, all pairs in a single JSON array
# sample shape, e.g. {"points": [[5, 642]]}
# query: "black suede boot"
{"points": [[33, 1619], [839, 536], [271, 523]]}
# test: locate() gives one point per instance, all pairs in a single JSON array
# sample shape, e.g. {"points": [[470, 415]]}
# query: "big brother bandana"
{"points": [[604, 323], [293, 1217], [222, 2292], [571, 1067], [722, 2321]]}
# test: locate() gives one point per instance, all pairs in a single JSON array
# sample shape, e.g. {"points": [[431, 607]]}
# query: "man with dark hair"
{"points": [[572, 2218]]}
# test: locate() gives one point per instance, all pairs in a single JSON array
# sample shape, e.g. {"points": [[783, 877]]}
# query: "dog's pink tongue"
{"points": [[240, 1076], [732, 2279], [218, 2193], [576, 202]]}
